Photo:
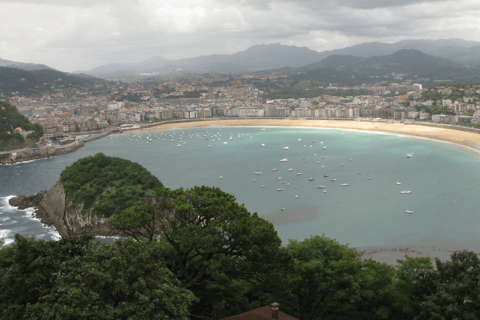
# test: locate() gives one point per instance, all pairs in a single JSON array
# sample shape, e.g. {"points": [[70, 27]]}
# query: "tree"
{"points": [[377, 292], [30, 268], [325, 279], [124, 280], [454, 290], [411, 284], [210, 241]]}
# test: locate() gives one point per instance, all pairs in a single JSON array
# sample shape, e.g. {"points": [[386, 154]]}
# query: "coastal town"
{"points": [[216, 96]]}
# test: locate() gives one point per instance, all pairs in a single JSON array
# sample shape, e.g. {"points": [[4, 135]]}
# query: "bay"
{"points": [[444, 180]]}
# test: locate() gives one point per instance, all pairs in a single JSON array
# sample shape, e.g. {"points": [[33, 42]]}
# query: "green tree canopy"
{"points": [[107, 185], [124, 280], [453, 290], [210, 241], [326, 279]]}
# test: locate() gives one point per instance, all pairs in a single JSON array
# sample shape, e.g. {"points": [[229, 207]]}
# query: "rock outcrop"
{"points": [[69, 218]]}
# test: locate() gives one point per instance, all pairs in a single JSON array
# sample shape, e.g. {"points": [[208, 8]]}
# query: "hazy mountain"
{"points": [[23, 66], [407, 61], [276, 56]]}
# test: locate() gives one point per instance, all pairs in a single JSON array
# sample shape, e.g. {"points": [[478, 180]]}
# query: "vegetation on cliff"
{"points": [[10, 120], [107, 185]]}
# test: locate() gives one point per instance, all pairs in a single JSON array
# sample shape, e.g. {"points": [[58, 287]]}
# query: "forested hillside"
{"points": [[27, 83], [10, 120]]}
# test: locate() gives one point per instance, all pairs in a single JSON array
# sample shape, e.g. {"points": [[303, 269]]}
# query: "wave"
{"points": [[26, 214], [20, 162]]}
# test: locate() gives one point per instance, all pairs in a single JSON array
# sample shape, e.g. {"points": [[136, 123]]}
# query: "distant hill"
{"points": [[276, 56], [39, 81], [23, 66], [406, 61], [10, 119]]}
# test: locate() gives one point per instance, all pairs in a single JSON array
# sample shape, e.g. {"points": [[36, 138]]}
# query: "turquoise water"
{"points": [[443, 178]]}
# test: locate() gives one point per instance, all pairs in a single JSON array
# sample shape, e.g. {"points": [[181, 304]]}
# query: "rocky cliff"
{"points": [[69, 219]]}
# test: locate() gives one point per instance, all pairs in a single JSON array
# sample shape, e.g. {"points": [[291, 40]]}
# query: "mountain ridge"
{"points": [[277, 56]]}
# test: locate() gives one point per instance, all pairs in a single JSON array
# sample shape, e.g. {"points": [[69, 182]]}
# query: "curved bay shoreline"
{"points": [[446, 134], [384, 254]]}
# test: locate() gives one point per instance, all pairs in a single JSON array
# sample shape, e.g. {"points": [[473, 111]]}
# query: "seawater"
{"points": [[444, 180]]}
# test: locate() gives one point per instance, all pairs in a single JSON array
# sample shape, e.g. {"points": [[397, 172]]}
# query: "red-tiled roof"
{"points": [[262, 313]]}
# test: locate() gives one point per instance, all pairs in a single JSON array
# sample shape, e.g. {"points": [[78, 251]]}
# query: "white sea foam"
{"points": [[4, 233], [20, 162], [4, 201]]}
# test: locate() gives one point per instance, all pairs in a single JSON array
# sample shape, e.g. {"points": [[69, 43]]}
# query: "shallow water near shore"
{"points": [[444, 180]]}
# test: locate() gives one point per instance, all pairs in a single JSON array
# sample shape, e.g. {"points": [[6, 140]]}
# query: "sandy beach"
{"points": [[468, 139], [384, 254]]}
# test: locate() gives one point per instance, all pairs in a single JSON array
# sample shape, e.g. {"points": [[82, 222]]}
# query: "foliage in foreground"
{"points": [[213, 245], [77, 278], [107, 185], [197, 253]]}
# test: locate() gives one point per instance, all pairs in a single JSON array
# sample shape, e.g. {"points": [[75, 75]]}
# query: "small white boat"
{"points": [[405, 192], [398, 183], [274, 169], [262, 186], [323, 157], [310, 179], [284, 160], [344, 184], [296, 197], [317, 162], [279, 189], [409, 155], [324, 191], [179, 145], [225, 142], [289, 170], [285, 148], [283, 209], [254, 180], [258, 172], [262, 145], [221, 177], [325, 175], [320, 187], [368, 178], [409, 211], [279, 178], [334, 179], [299, 140], [351, 159], [304, 165], [299, 173]]}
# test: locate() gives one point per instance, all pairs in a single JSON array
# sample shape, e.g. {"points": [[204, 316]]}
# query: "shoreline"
{"points": [[390, 254], [384, 254], [467, 139]]}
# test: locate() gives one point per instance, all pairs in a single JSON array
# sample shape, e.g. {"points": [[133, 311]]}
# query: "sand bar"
{"points": [[464, 138]]}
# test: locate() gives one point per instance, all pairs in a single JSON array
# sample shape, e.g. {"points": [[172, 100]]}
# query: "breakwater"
{"points": [[35, 153]]}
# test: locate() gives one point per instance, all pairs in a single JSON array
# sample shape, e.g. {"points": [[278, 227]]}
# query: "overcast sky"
{"points": [[72, 35]]}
